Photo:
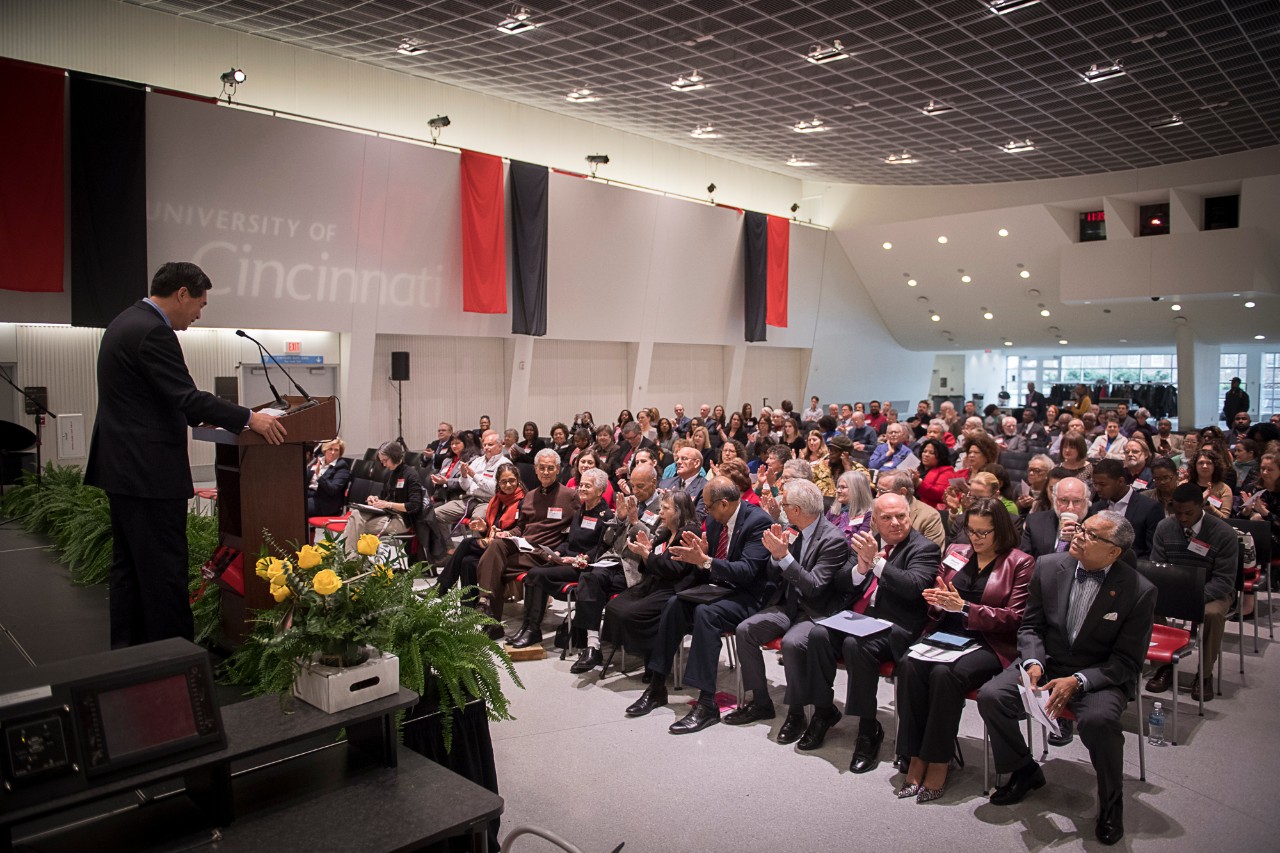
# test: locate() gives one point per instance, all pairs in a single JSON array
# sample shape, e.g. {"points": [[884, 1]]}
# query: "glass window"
{"points": [[1270, 403], [1230, 364]]}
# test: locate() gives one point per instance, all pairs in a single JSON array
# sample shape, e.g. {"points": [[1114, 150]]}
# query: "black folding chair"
{"points": [[1179, 596]]}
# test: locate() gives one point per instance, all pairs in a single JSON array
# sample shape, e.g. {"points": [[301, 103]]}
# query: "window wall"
{"points": [[1270, 402], [1047, 371]]}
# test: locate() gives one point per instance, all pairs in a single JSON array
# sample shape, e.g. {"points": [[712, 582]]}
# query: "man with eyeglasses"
{"points": [[1082, 640], [479, 480], [444, 434], [1048, 532], [1192, 537]]}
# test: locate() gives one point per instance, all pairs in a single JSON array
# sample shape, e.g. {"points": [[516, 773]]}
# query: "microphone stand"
{"points": [[311, 401], [40, 411], [400, 412]]}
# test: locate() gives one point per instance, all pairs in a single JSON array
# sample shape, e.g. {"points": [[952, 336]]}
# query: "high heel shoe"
{"points": [[908, 789], [928, 795]]}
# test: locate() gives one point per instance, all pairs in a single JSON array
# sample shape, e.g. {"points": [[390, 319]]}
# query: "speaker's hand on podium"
{"points": [[268, 427]]}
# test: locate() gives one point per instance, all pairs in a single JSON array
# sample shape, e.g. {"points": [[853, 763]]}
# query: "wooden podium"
{"points": [[261, 490]]}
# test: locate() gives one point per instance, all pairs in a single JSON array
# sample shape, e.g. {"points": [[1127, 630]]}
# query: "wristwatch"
{"points": [[706, 564], [964, 610], [1079, 680]]}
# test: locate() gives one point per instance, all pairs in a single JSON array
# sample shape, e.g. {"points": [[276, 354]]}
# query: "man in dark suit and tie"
{"points": [[688, 479], [632, 442], [1115, 493], [802, 572], [138, 453], [887, 582], [731, 556], [1035, 403], [1047, 532], [1083, 639]]}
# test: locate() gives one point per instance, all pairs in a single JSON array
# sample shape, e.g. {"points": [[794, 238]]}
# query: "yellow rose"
{"points": [[309, 557], [281, 592], [276, 567], [327, 582], [383, 571], [367, 545], [261, 569], [325, 546]]}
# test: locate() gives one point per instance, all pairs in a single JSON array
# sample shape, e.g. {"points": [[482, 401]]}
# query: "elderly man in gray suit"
{"points": [[804, 562]]}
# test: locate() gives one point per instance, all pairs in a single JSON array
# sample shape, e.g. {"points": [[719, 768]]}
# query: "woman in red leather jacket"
{"points": [[979, 595]]}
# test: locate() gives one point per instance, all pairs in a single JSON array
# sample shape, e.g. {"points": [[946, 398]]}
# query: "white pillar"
{"points": [[1198, 403]]}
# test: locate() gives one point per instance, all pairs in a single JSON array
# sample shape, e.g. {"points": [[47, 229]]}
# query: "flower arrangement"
{"points": [[340, 605]]}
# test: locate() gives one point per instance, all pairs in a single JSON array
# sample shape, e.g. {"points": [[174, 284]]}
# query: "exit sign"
{"points": [[293, 346]]}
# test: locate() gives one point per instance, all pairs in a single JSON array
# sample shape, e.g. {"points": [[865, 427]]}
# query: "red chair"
{"points": [[210, 495], [1142, 738]]}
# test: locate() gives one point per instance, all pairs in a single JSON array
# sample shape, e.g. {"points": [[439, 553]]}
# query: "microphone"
{"points": [[311, 401]]}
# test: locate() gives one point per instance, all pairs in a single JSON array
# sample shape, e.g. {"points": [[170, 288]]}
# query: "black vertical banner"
{"points": [[529, 185], [108, 198], [755, 305]]}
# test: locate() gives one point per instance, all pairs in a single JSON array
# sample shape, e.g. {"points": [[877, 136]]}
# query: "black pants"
{"points": [[538, 584], [595, 588], [931, 700], [631, 619], [707, 622], [148, 587], [862, 659], [1097, 719], [461, 568]]}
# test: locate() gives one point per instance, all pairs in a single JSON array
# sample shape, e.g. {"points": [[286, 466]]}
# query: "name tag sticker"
{"points": [[1139, 484], [400, 483], [955, 561], [588, 523], [488, 474], [1198, 546], [661, 548], [1214, 502], [555, 513], [649, 517], [857, 520]]}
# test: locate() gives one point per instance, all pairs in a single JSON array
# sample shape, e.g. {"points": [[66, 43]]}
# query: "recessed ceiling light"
{"points": [[821, 55], [1062, 341], [1015, 147], [1025, 274], [1174, 120], [1235, 294], [815, 125], [942, 239], [412, 47], [705, 131], [1044, 312], [935, 318], [1250, 304], [1124, 340], [911, 282], [987, 315], [1004, 232], [799, 161], [886, 245], [1004, 7], [936, 109], [1008, 343], [966, 279], [1175, 307], [581, 96], [903, 159], [692, 83], [1259, 337], [1033, 293], [1097, 73], [519, 22]]}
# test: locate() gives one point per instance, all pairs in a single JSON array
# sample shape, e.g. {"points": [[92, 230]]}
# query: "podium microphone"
{"points": [[311, 401]]}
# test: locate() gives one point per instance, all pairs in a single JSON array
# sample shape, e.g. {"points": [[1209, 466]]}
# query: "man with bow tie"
{"points": [[1083, 639], [892, 571], [804, 562]]}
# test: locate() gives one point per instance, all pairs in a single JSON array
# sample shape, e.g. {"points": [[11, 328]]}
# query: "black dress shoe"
{"points": [[749, 713], [527, 637], [1021, 782], [647, 677], [587, 661], [1110, 828], [1067, 733], [866, 750], [496, 633], [816, 733], [792, 727], [654, 696], [1160, 680], [696, 720]]}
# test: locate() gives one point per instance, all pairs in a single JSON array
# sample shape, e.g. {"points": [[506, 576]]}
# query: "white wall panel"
{"points": [[691, 374], [451, 379], [63, 360], [773, 372], [571, 376]]}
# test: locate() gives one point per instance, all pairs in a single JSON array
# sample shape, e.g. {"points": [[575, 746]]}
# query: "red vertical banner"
{"points": [[779, 254], [484, 248], [32, 183]]}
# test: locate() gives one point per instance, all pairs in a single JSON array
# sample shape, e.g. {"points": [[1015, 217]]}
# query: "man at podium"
{"points": [[138, 453]]}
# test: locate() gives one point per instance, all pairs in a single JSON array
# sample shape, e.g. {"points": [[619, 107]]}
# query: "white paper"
{"points": [[275, 413], [910, 462], [604, 563], [1249, 499], [523, 544], [1036, 704], [933, 654]]}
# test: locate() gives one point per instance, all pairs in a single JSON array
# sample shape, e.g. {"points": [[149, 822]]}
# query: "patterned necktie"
{"points": [[1083, 575], [722, 546]]}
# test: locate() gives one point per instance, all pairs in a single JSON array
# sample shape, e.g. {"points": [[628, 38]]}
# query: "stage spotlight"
{"points": [[596, 161], [436, 125]]}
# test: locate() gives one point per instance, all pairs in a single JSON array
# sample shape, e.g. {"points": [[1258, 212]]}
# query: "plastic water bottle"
{"points": [[1155, 726]]}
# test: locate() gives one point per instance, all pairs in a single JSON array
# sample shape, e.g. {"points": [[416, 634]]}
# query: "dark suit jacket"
{"points": [[1040, 533], [911, 569], [694, 491], [331, 491], [1170, 546], [1144, 514], [1108, 652], [1037, 404], [746, 566], [1004, 599], [808, 583], [146, 402]]}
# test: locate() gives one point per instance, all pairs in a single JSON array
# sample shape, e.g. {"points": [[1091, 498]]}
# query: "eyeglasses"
{"points": [[507, 482], [974, 533], [1090, 537]]}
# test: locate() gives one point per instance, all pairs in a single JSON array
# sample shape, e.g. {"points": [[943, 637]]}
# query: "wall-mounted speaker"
{"points": [[399, 367]]}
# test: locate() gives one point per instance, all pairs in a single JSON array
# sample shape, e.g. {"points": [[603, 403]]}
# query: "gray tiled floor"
{"points": [[574, 764]]}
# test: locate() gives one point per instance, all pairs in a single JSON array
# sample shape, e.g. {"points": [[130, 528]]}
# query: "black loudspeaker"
{"points": [[399, 367], [41, 394], [228, 388]]}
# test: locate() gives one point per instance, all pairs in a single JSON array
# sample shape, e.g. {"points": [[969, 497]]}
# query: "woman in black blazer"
{"points": [[327, 479]]}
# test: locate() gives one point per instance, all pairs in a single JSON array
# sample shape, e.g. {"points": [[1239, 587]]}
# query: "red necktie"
{"points": [[722, 546]]}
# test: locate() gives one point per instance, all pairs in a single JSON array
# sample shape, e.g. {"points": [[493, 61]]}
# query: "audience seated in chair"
{"points": [[328, 476], [924, 518], [1048, 531], [1112, 487], [478, 479], [500, 514], [398, 504]]}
